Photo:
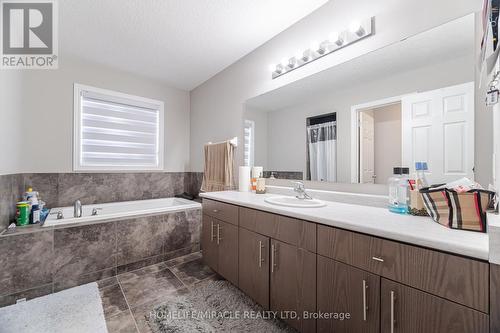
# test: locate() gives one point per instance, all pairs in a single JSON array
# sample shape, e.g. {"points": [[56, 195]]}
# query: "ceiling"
{"points": [[451, 40], [180, 42]]}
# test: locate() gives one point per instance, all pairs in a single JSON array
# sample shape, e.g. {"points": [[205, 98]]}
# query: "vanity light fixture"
{"points": [[337, 40]]}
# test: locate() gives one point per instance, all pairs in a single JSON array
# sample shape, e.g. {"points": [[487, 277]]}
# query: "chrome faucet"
{"points": [[77, 209], [300, 188]]}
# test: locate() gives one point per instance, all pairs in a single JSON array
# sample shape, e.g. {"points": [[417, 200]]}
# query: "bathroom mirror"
{"points": [[415, 100]]}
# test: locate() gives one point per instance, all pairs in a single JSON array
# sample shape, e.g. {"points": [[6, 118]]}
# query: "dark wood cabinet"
{"points": [[219, 243], [293, 284], [408, 310], [431, 271], [209, 243], [227, 240], [296, 267], [343, 291], [221, 211], [254, 266]]}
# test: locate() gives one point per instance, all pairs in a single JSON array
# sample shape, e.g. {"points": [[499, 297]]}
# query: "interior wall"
{"points": [[11, 95], [388, 145], [39, 105], [287, 145], [217, 105]]}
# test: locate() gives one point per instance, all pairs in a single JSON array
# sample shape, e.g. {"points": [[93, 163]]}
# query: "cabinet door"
{"points": [[208, 242], [293, 284], [253, 269], [408, 310], [227, 239], [344, 289]]}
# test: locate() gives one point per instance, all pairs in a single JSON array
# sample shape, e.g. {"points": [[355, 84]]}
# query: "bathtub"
{"points": [[117, 210]]}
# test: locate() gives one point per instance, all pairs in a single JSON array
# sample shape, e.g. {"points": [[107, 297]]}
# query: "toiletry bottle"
{"points": [[421, 178], [403, 191], [32, 197], [393, 184]]}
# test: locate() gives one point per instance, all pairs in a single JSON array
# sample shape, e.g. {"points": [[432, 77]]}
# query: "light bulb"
{"points": [[307, 55], [314, 46], [357, 28], [336, 38], [299, 55]]}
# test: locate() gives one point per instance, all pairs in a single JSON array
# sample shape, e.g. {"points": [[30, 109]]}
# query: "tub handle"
{"points": [[219, 238]]}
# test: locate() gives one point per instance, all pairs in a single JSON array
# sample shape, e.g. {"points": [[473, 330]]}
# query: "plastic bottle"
{"points": [[393, 184], [421, 168], [403, 191], [32, 198]]}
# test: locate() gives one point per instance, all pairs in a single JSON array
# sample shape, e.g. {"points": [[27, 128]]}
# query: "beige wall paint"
{"points": [[387, 141], [40, 109]]}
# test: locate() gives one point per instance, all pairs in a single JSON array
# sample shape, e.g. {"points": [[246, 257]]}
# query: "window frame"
{"points": [[77, 129], [251, 152]]}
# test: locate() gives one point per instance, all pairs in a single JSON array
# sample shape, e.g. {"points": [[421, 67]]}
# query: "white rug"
{"points": [[75, 310]]}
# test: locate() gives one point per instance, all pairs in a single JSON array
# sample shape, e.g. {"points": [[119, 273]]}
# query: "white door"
{"points": [[438, 127], [367, 147]]}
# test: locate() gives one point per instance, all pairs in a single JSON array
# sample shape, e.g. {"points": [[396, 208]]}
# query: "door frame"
{"points": [[355, 110]]}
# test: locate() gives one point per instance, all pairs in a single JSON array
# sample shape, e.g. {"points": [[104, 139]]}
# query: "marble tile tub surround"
{"points": [[374, 221], [62, 189], [37, 263]]}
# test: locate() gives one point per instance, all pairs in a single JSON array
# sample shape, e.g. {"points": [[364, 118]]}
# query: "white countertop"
{"points": [[373, 221]]}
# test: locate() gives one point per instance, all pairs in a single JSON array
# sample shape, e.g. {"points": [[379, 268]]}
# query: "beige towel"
{"points": [[218, 172]]}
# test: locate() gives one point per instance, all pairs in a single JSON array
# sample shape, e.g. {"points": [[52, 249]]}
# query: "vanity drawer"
{"points": [[221, 211], [456, 278], [286, 229]]}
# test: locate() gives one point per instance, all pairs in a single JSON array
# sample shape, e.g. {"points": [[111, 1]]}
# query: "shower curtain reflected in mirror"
{"points": [[322, 146]]}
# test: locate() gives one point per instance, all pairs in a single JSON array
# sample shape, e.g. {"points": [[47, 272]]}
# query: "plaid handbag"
{"points": [[466, 211]]}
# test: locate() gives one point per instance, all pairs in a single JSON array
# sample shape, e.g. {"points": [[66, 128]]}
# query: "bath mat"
{"points": [[213, 306], [74, 310]]}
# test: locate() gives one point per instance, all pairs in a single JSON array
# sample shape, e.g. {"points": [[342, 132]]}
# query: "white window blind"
{"points": [[249, 142], [115, 131]]}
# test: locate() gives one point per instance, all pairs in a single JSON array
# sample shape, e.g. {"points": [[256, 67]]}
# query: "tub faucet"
{"points": [[77, 209], [300, 188]]}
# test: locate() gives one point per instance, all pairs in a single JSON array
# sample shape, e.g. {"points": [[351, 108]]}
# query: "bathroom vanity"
{"points": [[390, 273]]}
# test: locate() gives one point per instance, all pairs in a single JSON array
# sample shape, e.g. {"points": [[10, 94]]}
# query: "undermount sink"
{"points": [[295, 202]]}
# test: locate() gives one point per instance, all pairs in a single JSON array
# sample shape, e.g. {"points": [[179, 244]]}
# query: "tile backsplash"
{"points": [[62, 189]]}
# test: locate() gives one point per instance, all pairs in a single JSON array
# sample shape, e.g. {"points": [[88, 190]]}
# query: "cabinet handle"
{"points": [[212, 231], [261, 260], [219, 238], [365, 308], [393, 298], [378, 259], [273, 251]]}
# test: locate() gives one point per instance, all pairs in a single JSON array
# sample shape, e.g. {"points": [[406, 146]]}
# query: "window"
{"points": [[115, 131], [249, 142]]}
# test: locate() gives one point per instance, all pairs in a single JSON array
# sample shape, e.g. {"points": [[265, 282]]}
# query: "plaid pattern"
{"points": [[466, 211]]}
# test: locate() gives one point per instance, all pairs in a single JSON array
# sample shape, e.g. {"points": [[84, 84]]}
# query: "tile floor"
{"points": [[129, 297]]}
